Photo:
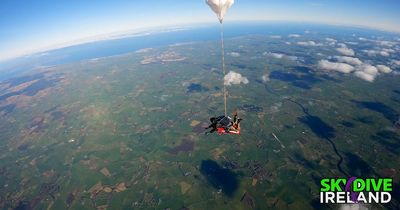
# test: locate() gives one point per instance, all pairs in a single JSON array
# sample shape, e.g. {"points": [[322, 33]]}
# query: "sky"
{"points": [[29, 26]]}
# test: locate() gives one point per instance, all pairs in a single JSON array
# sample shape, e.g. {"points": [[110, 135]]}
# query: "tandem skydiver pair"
{"points": [[224, 125]]}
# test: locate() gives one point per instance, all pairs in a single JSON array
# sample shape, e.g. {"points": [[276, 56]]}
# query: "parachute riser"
{"points": [[220, 7], [223, 67]]}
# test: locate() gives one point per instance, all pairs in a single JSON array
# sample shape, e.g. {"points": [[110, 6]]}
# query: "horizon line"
{"points": [[144, 31]]}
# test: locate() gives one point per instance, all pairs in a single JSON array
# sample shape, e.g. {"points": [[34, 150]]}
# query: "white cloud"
{"points": [[234, 54], [274, 55], [366, 72], [384, 69], [352, 43], [280, 56], [309, 43], [362, 39], [386, 43], [265, 77], [345, 50], [377, 52], [364, 76], [294, 35], [291, 57], [330, 39], [361, 70], [384, 53], [355, 206], [275, 37], [333, 66], [388, 50], [367, 68], [395, 62], [349, 60], [233, 78]]}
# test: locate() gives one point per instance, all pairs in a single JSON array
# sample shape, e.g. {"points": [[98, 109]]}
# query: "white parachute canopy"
{"points": [[220, 7]]}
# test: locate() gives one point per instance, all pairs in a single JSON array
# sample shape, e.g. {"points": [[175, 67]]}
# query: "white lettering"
{"points": [[388, 197], [361, 198], [341, 197], [373, 196], [330, 196], [321, 197]]}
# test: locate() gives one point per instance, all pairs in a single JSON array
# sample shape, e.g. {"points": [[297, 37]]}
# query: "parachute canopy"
{"points": [[220, 7]]}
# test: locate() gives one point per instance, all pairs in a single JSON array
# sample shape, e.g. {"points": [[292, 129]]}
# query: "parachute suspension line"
{"points": [[220, 7], [223, 66]]}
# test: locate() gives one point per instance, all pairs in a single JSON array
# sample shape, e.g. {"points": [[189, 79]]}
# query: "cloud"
{"points": [[361, 70], [384, 53], [233, 78], [275, 55], [265, 77], [294, 35], [383, 43], [367, 68], [352, 43], [395, 63], [384, 69], [309, 43], [275, 37], [355, 206], [377, 52], [333, 66], [280, 56], [330, 39], [366, 72], [345, 50], [234, 54], [388, 50], [349, 60], [364, 76], [386, 43]]}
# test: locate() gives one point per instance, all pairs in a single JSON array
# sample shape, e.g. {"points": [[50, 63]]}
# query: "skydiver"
{"points": [[224, 123], [213, 125], [219, 122], [236, 122]]}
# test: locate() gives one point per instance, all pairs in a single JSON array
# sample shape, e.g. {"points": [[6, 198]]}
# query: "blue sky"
{"points": [[28, 26]]}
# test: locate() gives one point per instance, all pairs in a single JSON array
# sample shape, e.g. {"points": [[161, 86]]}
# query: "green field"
{"points": [[127, 132]]}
